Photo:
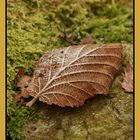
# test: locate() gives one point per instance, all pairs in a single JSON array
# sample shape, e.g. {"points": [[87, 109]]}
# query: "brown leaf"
{"points": [[21, 97], [20, 72], [127, 83], [69, 76], [22, 82], [87, 40]]}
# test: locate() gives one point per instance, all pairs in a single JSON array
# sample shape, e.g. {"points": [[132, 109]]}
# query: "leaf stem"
{"points": [[30, 103]]}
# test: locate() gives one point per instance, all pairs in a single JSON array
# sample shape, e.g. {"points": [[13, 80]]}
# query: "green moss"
{"points": [[16, 121], [36, 26]]}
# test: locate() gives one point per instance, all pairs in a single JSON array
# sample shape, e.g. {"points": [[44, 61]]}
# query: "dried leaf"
{"points": [[87, 40], [22, 83], [20, 73], [69, 76], [127, 83], [21, 97]]}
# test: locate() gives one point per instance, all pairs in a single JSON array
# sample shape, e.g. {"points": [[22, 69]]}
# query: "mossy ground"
{"points": [[35, 26]]}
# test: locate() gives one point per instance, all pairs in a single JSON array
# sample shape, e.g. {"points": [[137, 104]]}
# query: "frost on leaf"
{"points": [[69, 76]]}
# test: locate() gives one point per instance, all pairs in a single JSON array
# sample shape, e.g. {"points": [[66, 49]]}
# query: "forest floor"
{"points": [[36, 26]]}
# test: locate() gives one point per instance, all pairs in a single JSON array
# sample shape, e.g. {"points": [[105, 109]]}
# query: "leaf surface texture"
{"points": [[69, 76]]}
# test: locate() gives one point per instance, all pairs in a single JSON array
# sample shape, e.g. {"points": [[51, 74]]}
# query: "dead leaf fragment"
{"points": [[87, 40], [20, 73], [127, 83], [22, 82], [80, 72], [21, 97]]}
